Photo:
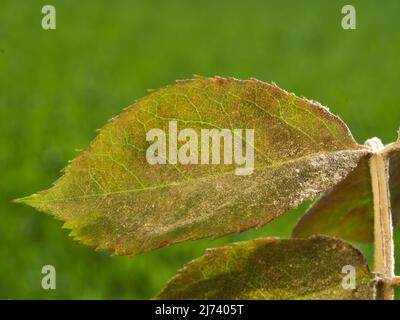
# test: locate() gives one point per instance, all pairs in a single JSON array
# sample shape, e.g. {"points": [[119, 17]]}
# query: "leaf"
{"points": [[112, 198], [273, 269], [347, 210]]}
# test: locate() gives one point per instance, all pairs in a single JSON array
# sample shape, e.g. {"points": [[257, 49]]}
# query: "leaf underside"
{"points": [[273, 269], [113, 199], [347, 210]]}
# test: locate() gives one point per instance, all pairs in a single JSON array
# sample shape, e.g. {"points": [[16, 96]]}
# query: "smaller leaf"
{"points": [[394, 183], [347, 210], [272, 268]]}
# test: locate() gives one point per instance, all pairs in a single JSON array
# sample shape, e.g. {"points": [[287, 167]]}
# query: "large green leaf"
{"points": [[274, 269], [114, 199], [347, 210]]}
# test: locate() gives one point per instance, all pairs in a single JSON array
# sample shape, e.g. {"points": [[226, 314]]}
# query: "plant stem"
{"points": [[383, 230]]}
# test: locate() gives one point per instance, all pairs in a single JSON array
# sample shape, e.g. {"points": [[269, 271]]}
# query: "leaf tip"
{"points": [[28, 200]]}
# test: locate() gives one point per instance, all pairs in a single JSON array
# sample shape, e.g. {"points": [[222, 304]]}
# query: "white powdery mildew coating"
{"points": [[213, 206]]}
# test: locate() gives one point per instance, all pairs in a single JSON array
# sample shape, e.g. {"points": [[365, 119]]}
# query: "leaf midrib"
{"points": [[31, 199]]}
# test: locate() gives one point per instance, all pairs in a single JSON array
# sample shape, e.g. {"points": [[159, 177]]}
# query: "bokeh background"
{"points": [[57, 87]]}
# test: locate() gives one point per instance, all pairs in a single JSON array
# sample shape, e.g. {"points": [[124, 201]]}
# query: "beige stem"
{"points": [[384, 249]]}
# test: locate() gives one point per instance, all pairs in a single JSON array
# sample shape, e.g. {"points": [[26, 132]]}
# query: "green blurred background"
{"points": [[57, 87]]}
